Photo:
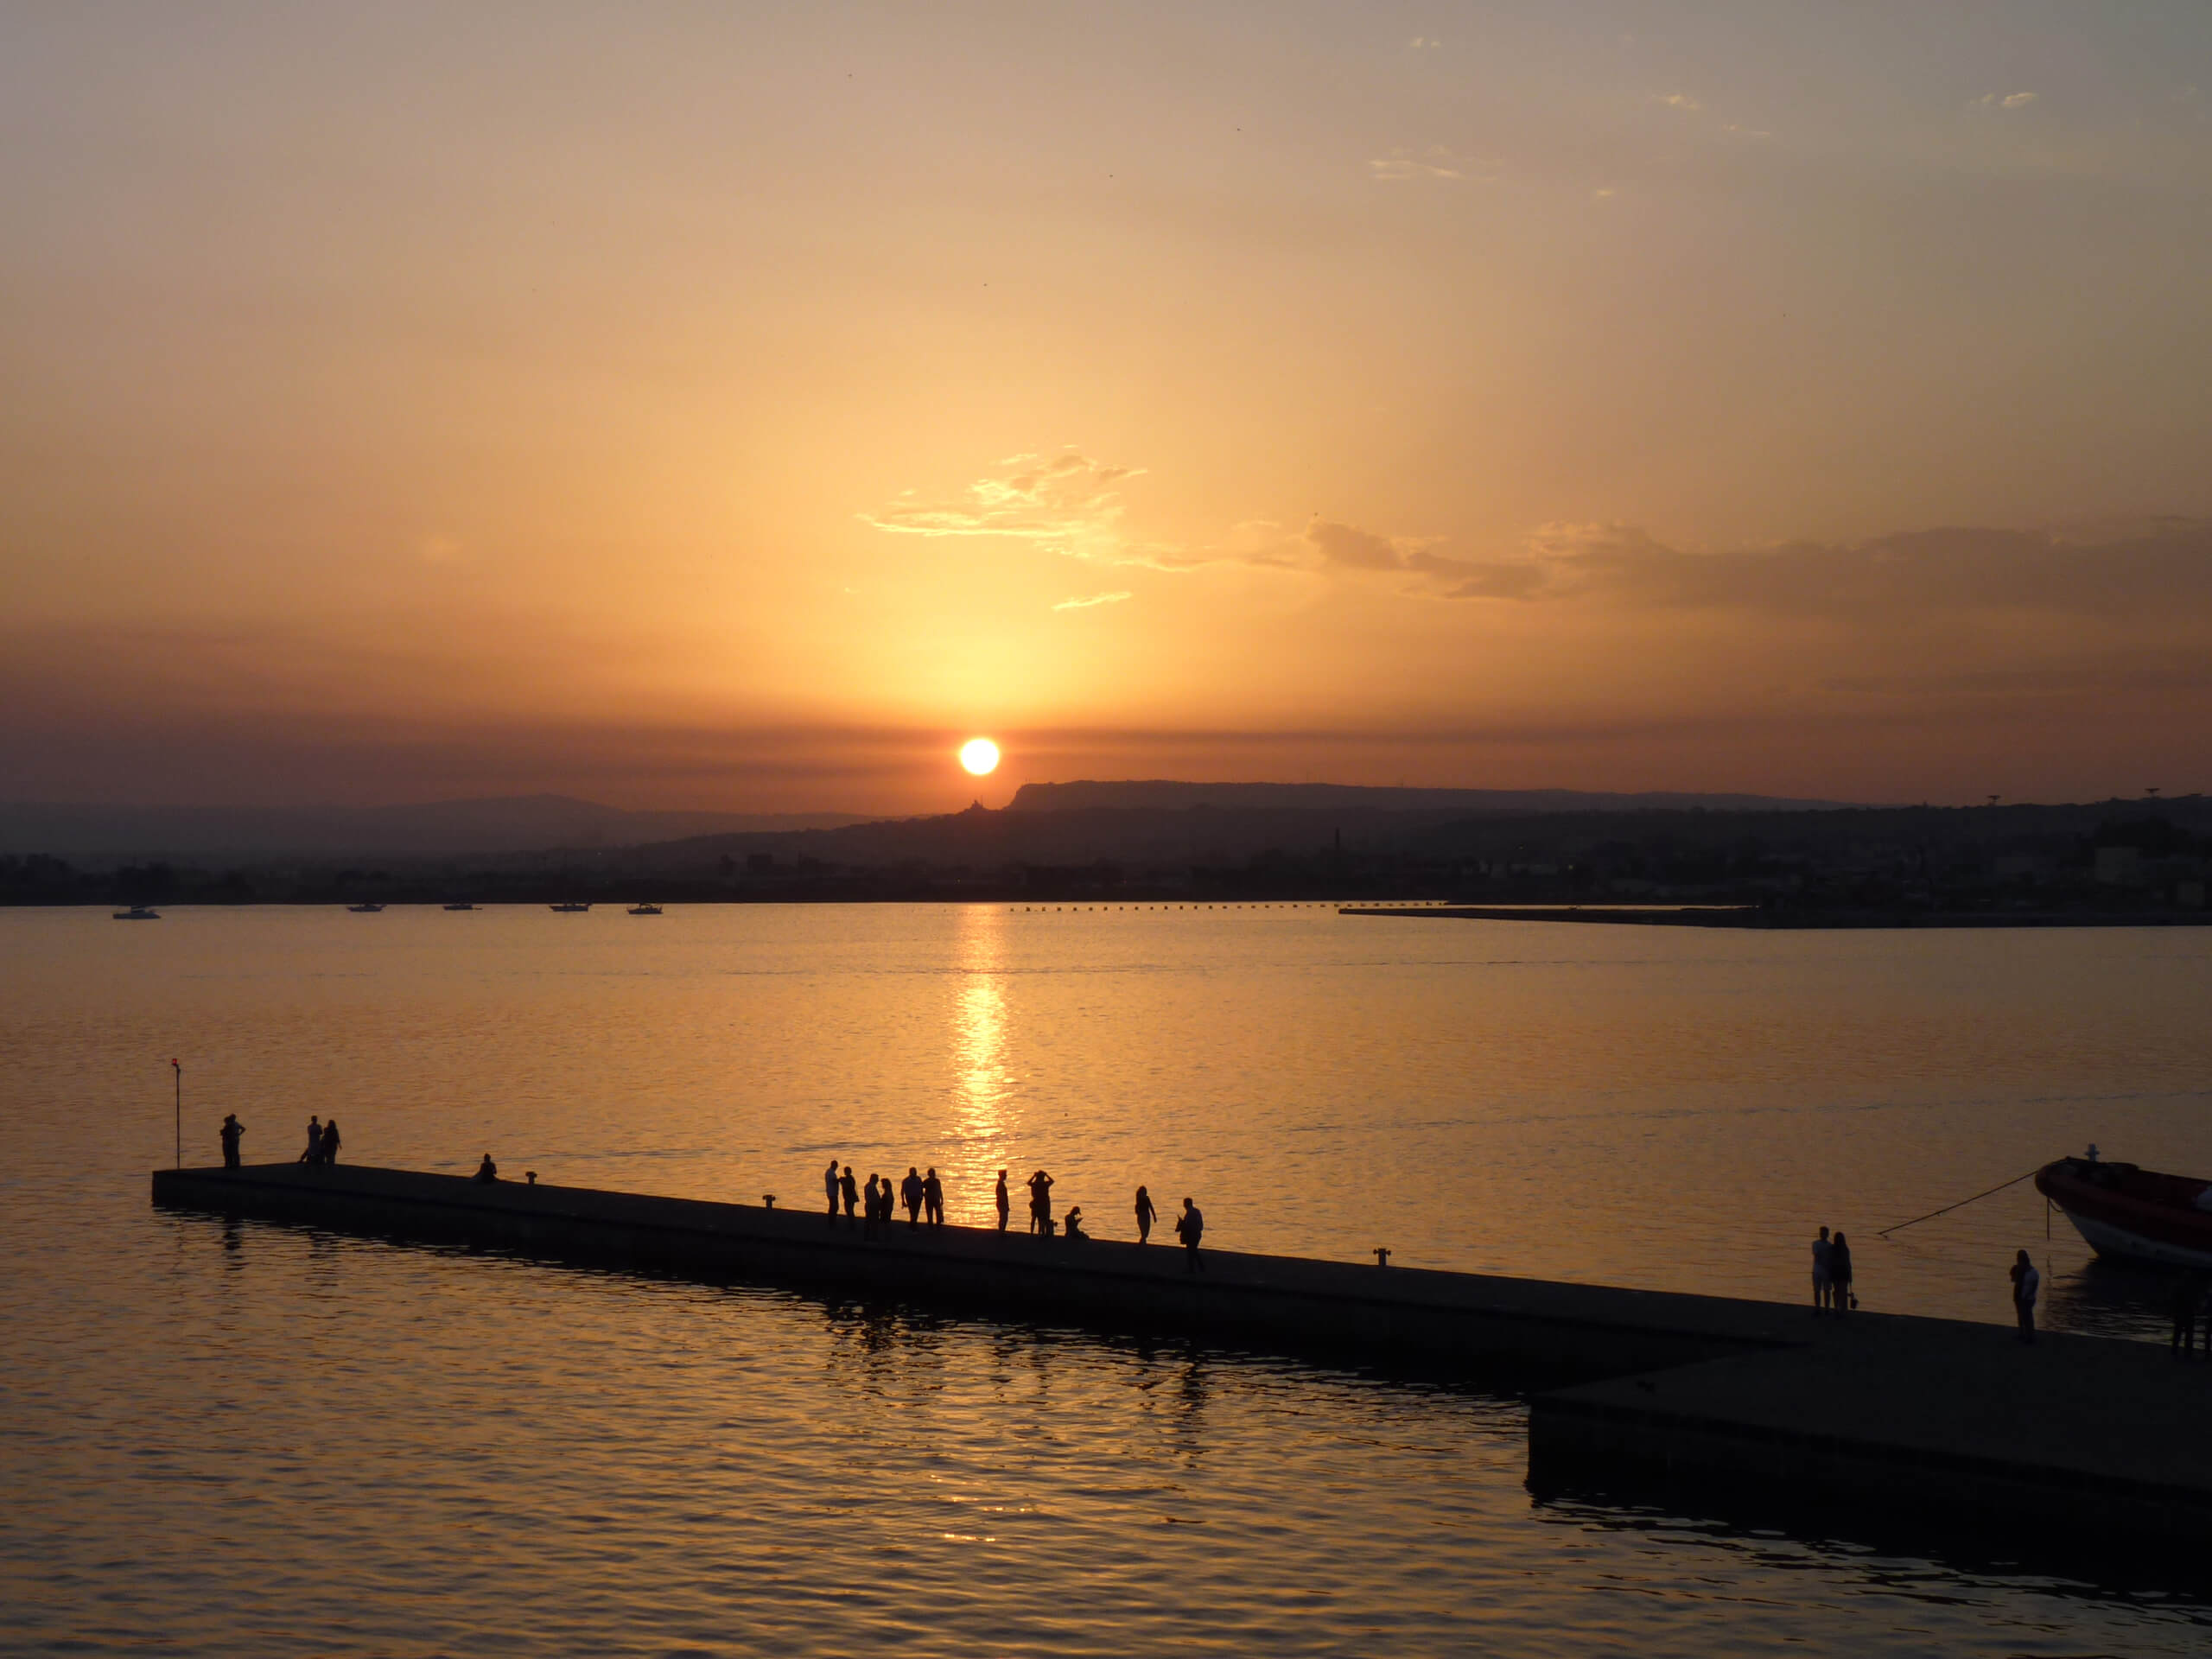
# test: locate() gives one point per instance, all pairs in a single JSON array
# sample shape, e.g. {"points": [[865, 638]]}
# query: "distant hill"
{"points": [[1164, 796], [432, 830]]}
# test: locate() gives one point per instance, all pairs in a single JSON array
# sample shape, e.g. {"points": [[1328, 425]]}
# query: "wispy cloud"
{"points": [[1096, 599], [1423, 43], [1681, 101], [1065, 502], [1435, 162], [1994, 101], [1347, 547], [2159, 568]]}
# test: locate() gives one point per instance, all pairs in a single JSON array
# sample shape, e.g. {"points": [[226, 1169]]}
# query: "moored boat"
{"points": [[571, 908], [138, 913], [2134, 1213], [366, 907], [644, 908], [464, 905]]}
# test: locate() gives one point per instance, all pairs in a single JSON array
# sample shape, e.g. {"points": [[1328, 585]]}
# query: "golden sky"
{"points": [[737, 406]]}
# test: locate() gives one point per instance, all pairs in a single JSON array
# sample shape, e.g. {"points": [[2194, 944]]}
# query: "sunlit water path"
{"points": [[245, 1440]]}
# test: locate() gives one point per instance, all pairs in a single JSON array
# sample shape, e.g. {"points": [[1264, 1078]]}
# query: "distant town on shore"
{"points": [[2145, 857]]}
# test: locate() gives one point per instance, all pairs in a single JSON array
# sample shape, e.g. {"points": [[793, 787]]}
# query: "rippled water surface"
{"points": [[246, 1439]]}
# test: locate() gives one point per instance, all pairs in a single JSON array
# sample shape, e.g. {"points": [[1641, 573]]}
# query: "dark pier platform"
{"points": [[1645, 1388]]}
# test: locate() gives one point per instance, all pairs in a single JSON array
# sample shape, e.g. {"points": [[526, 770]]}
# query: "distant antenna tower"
{"points": [[2151, 791]]}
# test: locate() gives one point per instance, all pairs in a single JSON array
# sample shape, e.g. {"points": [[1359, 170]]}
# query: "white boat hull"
{"points": [[2106, 1239]]}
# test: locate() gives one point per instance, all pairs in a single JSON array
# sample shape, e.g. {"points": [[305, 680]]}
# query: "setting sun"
{"points": [[980, 755]]}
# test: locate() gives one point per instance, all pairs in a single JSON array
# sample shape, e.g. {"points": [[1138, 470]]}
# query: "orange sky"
{"points": [[737, 407]]}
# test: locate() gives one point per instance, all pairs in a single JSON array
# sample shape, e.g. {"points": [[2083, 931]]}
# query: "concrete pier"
{"points": [[1645, 1388]]}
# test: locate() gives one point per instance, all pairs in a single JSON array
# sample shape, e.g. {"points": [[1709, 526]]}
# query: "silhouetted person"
{"points": [[1005, 1204], [867, 1207], [488, 1172], [1146, 1215], [230, 1132], [315, 1141], [851, 1190], [910, 1194], [829, 1187], [1823, 1284], [1073, 1227], [330, 1143], [1191, 1227], [2025, 1283], [1840, 1296], [932, 1198], [2188, 1294], [1040, 1204]]}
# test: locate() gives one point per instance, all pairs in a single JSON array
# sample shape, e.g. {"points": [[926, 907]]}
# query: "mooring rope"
{"points": [[1961, 1205]]}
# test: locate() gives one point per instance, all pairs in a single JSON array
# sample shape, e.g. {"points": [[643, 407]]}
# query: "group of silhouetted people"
{"points": [[877, 1202], [923, 1195], [1832, 1275], [322, 1142]]}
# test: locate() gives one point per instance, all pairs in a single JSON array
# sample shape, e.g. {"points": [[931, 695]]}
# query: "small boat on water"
{"points": [[572, 908], [138, 913], [2136, 1214], [645, 910], [464, 905], [366, 907]]}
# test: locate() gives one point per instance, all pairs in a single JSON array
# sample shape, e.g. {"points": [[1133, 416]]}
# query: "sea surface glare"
{"points": [[244, 1439]]}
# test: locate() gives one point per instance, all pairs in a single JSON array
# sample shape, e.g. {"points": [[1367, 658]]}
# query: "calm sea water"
{"points": [[242, 1439]]}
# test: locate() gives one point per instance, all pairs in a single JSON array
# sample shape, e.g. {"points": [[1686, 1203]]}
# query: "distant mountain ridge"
{"points": [[429, 829], [1163, 795]]}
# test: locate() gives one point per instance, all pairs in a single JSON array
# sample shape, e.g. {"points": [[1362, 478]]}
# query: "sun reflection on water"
{"points": [[983, 1084]]}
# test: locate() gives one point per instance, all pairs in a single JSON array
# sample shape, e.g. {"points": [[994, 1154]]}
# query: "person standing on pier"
{"points": [[2189, 1296], [315, 1141], [850, 1190], [829, 1187], [1005, 1204], [910, 1194], [231, 1131], [1189, 1227], [867, 1207], [932, 1198], [2025, 1283], [1840, 1297], [1040, 1204], [1821, 1283], [329, 1142], [1146, 1215]]}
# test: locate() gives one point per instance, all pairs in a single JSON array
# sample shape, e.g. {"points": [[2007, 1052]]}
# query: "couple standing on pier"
{"points": [[1832, 1275]]}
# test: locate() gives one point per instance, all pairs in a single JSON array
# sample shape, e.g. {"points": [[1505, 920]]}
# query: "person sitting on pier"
{"points": [[313, 1153], [1189, 1227], [329, 1142], [932, 1198], [230, 1132], [1074, 1225], [910, 1194], [850, 1190], [1146, 1215], [2025, 1283], [1005, 1204], [488, 1172], [1040, 1204], [829, 1187]]}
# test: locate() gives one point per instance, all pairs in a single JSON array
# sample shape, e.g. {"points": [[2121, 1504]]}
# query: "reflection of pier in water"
{"points": [[2078, 1435]]}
